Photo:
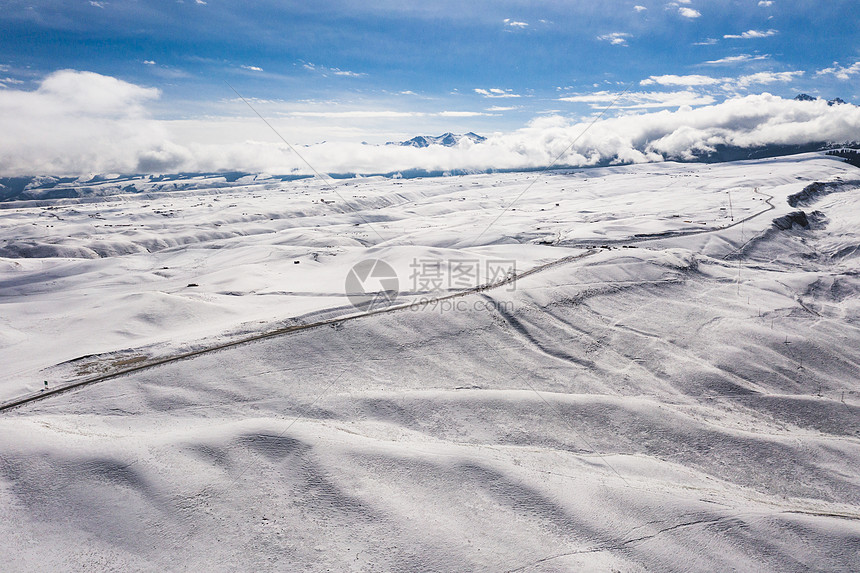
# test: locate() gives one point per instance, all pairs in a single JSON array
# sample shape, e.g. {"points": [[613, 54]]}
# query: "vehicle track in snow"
{"points": [[77, 384]]}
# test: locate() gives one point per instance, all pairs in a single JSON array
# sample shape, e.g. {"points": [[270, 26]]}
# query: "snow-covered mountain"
{"points": [[807, 97], [446, 139]]}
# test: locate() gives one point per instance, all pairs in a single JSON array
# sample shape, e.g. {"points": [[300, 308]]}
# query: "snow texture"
{"points": [[679, 393]]}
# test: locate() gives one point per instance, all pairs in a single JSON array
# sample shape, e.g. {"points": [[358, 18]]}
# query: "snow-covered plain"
{"points": [[681, 393]]}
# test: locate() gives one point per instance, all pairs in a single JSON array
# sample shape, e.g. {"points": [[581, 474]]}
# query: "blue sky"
{"points": [[349, 70], [363, 54]]}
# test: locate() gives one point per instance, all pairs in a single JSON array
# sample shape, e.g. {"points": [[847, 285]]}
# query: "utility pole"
{"points": [[731, 211]]}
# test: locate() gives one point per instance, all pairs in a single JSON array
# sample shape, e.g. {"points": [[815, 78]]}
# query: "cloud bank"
{"points": [[81, 122]]}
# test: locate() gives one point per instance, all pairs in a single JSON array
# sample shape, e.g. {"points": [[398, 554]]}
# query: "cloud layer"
{"points": [[81, 122]]}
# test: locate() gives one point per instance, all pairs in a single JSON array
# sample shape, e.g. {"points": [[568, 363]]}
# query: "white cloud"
{"points": [[7, 81], [742, 58], [149, 62], [639, 8], [496, 93], [78, 122], [502, 108], [325, 71], [753, 34], [641, 100], [346, 73], [768, 78], [255, 100], [357, 114], [615, 38], [462, 114], [744, 122], [252, 68], [81, 122], [672, 80], [765, 3], [839, 72], [383, 114], [688, 12], [725, 82], [515, 24], [707, 42]]}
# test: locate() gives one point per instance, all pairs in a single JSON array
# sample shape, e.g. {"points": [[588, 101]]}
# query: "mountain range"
{"points": [[446, 139], [807, 97]]}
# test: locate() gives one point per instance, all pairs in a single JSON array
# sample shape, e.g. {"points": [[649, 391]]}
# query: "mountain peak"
{"points": [[807, 97], [446, 140]]}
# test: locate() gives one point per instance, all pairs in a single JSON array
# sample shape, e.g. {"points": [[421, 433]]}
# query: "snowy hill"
{"points": [[102, 185], [670, 383]]}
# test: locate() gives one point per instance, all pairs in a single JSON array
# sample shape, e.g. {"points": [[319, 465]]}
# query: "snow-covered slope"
{"points": [[41, 189], [679, 393]]}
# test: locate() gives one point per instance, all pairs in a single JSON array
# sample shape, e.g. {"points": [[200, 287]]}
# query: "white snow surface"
{"points": [[680, 393]]}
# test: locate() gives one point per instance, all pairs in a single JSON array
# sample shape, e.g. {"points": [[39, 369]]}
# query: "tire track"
{"points": [[41, 395], [76, 384]]}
